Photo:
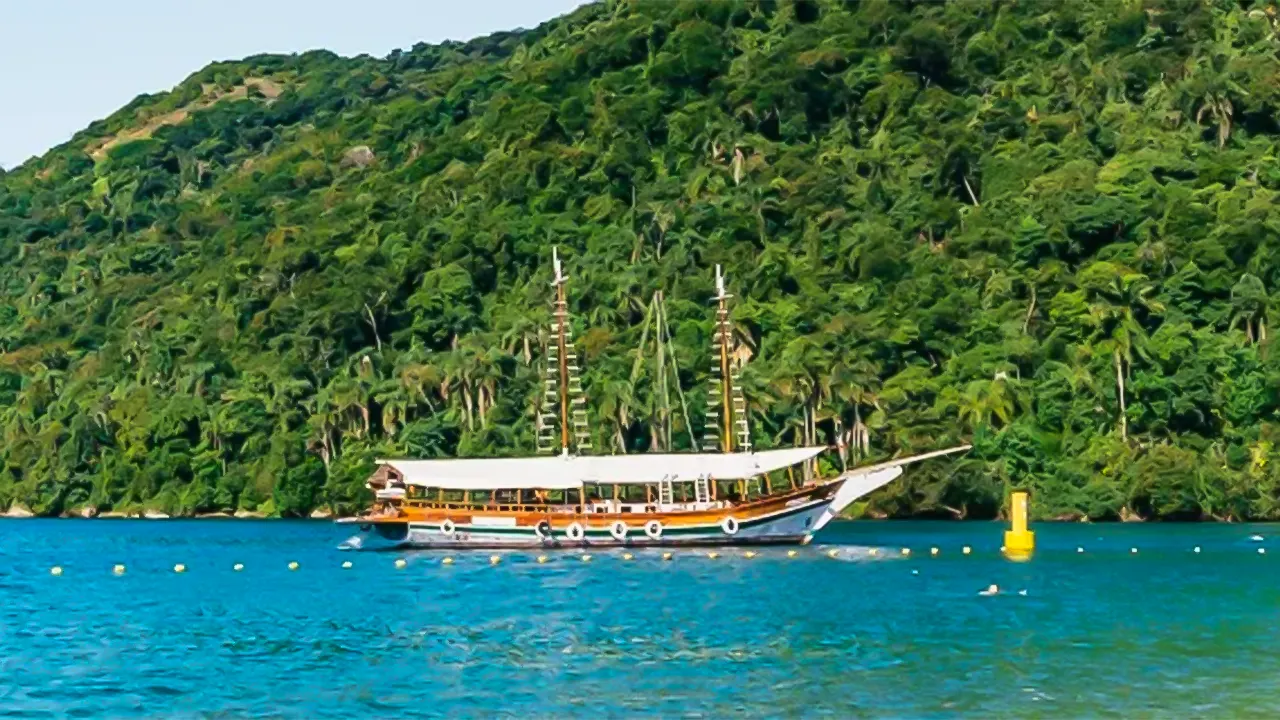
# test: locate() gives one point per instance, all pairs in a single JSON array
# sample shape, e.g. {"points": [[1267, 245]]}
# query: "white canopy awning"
{"points": [[566, 472]]}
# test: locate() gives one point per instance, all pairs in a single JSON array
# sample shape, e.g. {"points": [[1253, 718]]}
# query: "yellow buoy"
{"points": [[293, 565], [118, 569], [713, 555], [586, 558], [238, 567], [666, 556], [627, 556], [346, 565], [1018, 539], [495, 559], [55, 570], [792, 553], [933, 551], [179, 568], [542, 559], [833, 553], [906, 551], [447, 561], [748, 554], [401, 562], [966, 550]]}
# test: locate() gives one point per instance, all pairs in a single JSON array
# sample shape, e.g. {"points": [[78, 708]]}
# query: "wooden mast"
{"points": [[722, 320], [562, 346]]}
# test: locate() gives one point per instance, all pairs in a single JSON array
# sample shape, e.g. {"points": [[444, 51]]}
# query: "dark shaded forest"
{"points": [[1050, 229]]}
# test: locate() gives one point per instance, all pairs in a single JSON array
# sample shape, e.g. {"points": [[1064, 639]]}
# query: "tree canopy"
{"points": [[1046, 228]]}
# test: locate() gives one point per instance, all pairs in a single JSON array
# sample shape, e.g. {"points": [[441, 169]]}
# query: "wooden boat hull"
{"points": [[791, 518], [787, 525]]}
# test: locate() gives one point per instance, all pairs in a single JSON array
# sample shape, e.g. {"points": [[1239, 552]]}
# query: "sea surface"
{"points": [[1107, 632]]}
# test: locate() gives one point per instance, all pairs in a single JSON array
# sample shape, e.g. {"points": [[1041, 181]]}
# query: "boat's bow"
{"points": [[859, 482]]}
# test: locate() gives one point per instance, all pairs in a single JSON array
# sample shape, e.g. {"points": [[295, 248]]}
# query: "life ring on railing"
{"points": [[729, 525], [618, 530], [447, 527], [653, 529], [542, 530], [575, 532]]}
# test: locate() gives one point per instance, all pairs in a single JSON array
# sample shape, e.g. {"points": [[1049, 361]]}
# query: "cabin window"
{"points": [[481, 497], [453, 496], [632, 493], [506, 497]]}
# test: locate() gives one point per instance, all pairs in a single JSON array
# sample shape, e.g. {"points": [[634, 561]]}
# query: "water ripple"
{"points": [[1164, 633]]}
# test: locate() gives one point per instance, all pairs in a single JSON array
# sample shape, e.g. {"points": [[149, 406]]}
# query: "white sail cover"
{"points": [[567, 472]]}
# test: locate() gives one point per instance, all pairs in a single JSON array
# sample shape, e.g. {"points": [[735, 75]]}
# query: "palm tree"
{"points": [[1249, 298]]}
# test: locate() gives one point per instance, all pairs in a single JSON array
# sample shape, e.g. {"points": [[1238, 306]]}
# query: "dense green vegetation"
{"points": [[1048, 228]]}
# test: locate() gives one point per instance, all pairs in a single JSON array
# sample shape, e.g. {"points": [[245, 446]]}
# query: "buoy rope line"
{"points": [[121, 569]]}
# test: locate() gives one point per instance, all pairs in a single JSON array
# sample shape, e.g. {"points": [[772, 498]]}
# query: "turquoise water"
{"points": [[1161, 633]]}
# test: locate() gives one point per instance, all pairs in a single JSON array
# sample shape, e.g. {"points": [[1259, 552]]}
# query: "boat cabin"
{"points": [[615, 485]]}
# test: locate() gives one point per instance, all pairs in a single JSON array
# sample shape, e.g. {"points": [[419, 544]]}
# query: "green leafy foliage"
{"points": [[1051, 229]]}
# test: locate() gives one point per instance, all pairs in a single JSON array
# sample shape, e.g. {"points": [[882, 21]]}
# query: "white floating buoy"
{"points": [[991, 590], [872, 551], [713, 555], [346, 565], [1196, 550], [586, 558], [966, 550], [1255, 538], [118, 569], [179, 568], [1133, 551], [55, 570], [915, 572], [1079, 550], [793, 553], [542, 559], [400, 563], [666, 556], [293, 565], [906, 551], [447, 561], [628, 556], [748, 554], [495, 559], [1023, 593], [238, 567], [1262, 551], [833, 553], [933, 551]]}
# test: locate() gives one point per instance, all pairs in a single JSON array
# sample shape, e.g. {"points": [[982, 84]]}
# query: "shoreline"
{"points": [[243, 515]]}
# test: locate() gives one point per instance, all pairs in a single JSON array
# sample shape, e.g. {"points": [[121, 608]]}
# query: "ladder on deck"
{"points": [[665, 494], [701, 490]]}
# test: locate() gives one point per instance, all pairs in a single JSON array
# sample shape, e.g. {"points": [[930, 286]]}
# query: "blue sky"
{"points": [[66, 63]]}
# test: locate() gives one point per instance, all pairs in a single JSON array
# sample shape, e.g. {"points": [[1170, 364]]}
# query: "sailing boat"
{"points": [[724, 495]]}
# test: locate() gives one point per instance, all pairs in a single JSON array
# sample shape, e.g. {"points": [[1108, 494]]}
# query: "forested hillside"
{"points": [[1048, 228]]}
